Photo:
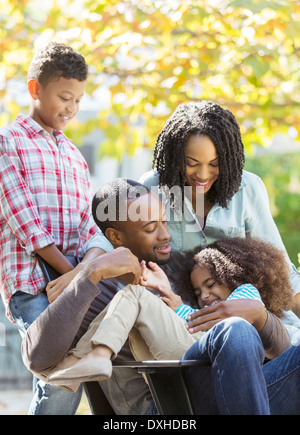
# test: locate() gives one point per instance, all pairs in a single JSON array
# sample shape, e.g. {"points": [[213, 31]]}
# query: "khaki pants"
{"points": [[153, 329]]}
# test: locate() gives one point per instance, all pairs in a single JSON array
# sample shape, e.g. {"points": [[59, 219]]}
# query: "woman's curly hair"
{"points": [[205, 118], [236, 261]]}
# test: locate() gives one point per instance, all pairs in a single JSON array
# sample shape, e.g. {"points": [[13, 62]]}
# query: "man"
{"points": [[144, 230], [69, 316]]}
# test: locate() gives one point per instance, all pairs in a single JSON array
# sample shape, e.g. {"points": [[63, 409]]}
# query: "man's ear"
{"points": [[33, 88], [114, 236]]}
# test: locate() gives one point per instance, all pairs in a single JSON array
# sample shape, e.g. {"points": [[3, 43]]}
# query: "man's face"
{"points": [[145, 232]]}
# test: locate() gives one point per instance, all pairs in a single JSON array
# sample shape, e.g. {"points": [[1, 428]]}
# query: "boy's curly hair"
{"points": [[57, 60], [204, 118], [236, 261]]}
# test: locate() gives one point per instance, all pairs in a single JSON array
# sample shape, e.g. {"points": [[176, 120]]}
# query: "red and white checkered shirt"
{"points": [[45, 199]]}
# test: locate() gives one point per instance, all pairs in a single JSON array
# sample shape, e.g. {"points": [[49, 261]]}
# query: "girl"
{"points": [[229, 268]]}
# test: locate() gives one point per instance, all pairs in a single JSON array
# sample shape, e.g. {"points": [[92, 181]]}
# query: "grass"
{"points": [[83, 408]]}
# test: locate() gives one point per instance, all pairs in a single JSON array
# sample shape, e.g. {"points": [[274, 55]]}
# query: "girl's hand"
{"points": [[170, 298], [156, 279]]}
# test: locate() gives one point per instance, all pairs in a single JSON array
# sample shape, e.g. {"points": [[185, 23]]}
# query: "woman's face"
{"points": [[207, 290], [202, 166]]}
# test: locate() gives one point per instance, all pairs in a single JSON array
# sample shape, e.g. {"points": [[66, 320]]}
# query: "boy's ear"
{"points": [[114, 236], [33, 88]]}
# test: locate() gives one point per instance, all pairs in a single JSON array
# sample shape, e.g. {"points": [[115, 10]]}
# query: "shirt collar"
{"points": [[29, 124], [34, 127]]}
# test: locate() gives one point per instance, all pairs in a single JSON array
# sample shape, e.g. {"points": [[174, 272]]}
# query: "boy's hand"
{"points": [[56, 287], [156, 279]]}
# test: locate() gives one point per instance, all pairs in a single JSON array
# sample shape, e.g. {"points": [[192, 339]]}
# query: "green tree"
{"points": [[154, 54]]}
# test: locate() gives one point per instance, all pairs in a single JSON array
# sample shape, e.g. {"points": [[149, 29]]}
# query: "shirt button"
{"points": [[210, 219], [66, 211]]}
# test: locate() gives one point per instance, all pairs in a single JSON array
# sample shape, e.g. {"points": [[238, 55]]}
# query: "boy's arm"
{"points": [[52, 255]]}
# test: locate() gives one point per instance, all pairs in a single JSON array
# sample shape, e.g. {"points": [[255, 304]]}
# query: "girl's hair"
{"points": [[204, 118], [236, 261]]}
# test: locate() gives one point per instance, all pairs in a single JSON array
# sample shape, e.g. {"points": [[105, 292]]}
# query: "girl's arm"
{"points": [[156, 279]]}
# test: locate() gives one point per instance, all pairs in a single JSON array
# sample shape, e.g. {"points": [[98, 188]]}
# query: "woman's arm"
{"points": [[271, 330], [274, 337]]}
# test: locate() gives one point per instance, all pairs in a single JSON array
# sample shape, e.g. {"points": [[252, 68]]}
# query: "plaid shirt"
{"points": [[45, 199]]}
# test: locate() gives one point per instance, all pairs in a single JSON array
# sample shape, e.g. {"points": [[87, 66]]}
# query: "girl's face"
{"points": [[202, 168], [207, 290]]}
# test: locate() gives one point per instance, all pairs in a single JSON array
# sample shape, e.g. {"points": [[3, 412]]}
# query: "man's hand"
{"points": [[250, 310], [118, 262]]}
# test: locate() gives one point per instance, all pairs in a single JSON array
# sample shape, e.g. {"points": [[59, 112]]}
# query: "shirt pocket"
{"points": [[175, 230], [236, 232]]}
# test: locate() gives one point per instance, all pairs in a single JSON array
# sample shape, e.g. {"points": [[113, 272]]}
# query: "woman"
{"points": [[200, 151]]}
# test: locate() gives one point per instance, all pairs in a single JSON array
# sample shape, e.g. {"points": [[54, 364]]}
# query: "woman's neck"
{"points": [[201, 206]]}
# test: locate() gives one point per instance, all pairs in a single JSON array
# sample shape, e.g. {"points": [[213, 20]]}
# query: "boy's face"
{"points": [[147, 236], [56, 103], [207, 290]]}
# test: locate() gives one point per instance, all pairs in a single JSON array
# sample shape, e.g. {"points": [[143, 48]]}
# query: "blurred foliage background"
{"points": [[147, 56]]}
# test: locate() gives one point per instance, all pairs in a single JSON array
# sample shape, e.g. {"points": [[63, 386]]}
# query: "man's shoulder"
{"points": [[149, 178]]}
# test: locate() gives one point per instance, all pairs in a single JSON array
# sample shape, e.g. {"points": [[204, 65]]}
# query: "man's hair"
{"points": [[204, 118], [110, 202], [236, 261], [55, 61]]}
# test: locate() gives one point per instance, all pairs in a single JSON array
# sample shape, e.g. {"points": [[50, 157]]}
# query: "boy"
{"points": [[45, 204]]}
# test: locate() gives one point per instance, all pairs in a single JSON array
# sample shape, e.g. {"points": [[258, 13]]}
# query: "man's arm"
{"points": [[51, 335]]}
